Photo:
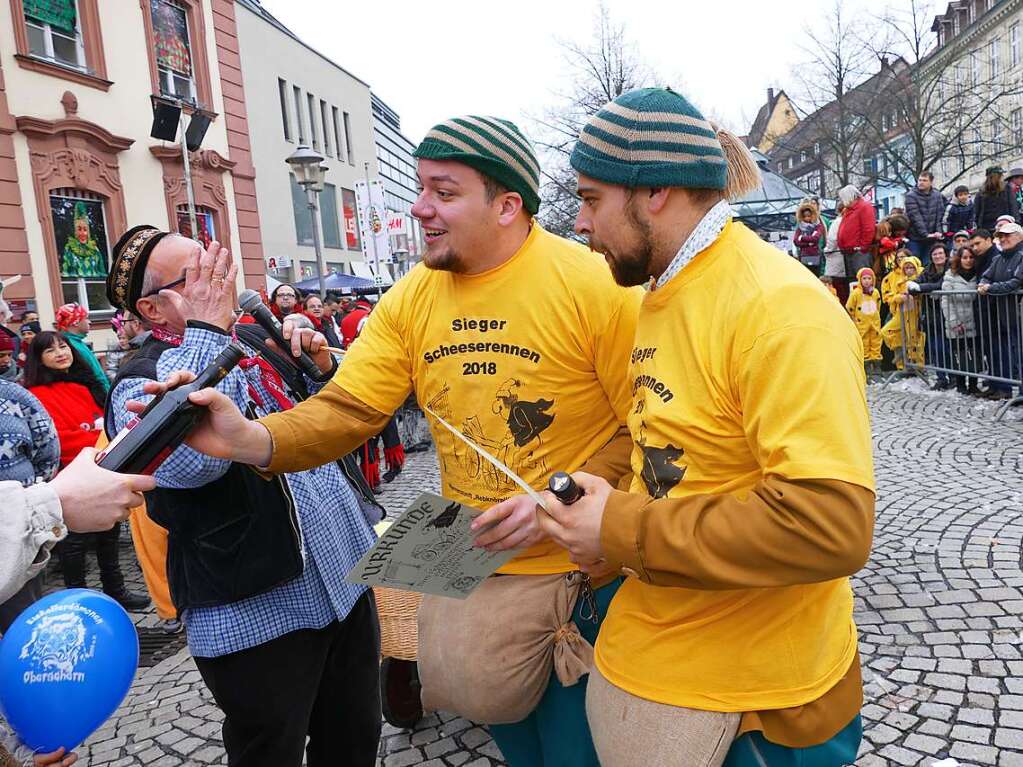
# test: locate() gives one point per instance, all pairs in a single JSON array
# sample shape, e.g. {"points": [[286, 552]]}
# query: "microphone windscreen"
{"points": [[249, 300]]}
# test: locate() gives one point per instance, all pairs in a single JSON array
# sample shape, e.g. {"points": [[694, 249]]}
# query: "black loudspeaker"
{"points": [[165, 119], [197, 128]]}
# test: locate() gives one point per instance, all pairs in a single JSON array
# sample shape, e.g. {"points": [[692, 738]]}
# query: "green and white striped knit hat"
{"points": [[652, 137], [494, 147]]}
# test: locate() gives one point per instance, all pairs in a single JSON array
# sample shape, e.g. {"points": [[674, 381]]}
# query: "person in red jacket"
{"points": [[65, 385], [354, 320], [855, 235]]}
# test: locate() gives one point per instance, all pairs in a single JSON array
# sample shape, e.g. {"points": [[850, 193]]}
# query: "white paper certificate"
{"points": [[429, 549]]}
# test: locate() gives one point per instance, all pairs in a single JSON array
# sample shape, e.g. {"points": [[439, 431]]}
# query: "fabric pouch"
{"points": [[489, 657]]}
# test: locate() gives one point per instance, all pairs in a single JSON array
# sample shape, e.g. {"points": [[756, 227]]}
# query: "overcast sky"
{"points": [[430, 60]]}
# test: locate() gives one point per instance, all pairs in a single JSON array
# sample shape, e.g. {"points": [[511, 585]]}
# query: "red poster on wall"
{"points": [[351, 219]]}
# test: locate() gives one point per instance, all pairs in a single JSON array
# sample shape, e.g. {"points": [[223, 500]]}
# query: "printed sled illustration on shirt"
{"points": [[518, 447], [660, 472]]}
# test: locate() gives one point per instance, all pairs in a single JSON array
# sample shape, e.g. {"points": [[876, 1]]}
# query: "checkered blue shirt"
{"points": [[335, 534]]}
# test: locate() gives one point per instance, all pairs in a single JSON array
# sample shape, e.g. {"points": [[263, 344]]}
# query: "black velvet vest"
{"points": [[228, 540]]}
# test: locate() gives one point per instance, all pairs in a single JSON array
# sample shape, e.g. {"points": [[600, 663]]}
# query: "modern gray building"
{"points": [[397, 169]]}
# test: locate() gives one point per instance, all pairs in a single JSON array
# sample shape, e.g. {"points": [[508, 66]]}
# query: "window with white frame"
{"points": [[282, 89], [80, 237], [205, 224], [884, 123], [975, 68], [55, 32], [816, 148], [1017, 126], [325, 124], [172, 46], [996, 137], [348, 138], [994, 64], [802, 156], [1014, 45], [335, 119], [314, 133], [299, 117]]}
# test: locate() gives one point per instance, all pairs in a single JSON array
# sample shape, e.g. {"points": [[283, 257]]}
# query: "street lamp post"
{"points": [[307, 165]]}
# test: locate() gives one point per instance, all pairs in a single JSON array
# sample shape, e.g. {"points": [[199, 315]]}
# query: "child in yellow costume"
{"points": [[895, 273], [864, 306], [901, 302]]}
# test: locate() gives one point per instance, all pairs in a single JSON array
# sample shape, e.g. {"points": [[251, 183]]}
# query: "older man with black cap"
{"points": [[732, 639], [256, 568]]}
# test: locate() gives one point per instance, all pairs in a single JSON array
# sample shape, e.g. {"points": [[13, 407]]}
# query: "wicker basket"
{"points": [[399, 631]]}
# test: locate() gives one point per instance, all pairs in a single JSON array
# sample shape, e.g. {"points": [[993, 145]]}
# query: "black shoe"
{"points": [[942, 385], [390, 474], [400, 692], [133, 603], [997, 394], [171, 626]]}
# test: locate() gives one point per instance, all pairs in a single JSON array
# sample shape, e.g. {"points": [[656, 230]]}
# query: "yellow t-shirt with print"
{"points": [[528, 360], [744, 366]]}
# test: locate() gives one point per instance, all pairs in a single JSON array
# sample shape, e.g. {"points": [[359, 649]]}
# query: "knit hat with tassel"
{"points": [[653, 137]]}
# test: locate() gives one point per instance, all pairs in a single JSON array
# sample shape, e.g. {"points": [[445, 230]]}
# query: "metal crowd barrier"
{"points": [[967, 338]]}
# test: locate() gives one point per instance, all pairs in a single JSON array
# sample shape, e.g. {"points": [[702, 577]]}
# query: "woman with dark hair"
{"points": [[959, 308], [324, 324], [995, 199], [284, 300], [69, 391]]}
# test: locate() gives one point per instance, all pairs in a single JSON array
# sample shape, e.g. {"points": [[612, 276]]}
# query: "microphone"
{"points": [[253, 305]]}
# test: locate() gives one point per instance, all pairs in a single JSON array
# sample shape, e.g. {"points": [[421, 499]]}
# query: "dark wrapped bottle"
{"points": [[564, 488], [150, 437]]}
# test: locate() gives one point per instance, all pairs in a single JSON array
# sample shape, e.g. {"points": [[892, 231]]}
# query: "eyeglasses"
{"points": [[179, 281], [285, 295]]}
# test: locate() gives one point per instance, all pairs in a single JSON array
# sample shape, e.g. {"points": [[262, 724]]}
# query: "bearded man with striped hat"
{"points": [[732, 640]]}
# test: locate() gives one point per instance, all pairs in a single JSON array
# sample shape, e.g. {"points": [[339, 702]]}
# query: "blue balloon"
{"points": [[66, 664]]}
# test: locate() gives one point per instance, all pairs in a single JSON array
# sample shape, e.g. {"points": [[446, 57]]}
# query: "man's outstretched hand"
{"points": [[225, 432]]}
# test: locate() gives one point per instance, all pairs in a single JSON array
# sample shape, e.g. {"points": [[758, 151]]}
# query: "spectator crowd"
{"points": [[936, 283]]}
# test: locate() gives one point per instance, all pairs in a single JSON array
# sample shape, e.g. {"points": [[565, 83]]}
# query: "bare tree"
{"points": [[946, 111], [826, 95], [601, 69]]}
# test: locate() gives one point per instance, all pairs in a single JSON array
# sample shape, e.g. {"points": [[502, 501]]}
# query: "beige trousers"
{"points": [[629, 731]]}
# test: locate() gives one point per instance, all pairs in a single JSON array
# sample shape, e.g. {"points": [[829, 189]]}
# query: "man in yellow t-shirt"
{"points": [[732, 639], [517, 338]]}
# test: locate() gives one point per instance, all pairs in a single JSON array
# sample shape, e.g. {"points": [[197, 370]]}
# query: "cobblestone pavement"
{"points": [[939, 609]]}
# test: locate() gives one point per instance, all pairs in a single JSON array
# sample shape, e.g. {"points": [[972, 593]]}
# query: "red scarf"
{"points": [[269, 377], [317, 321]]}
